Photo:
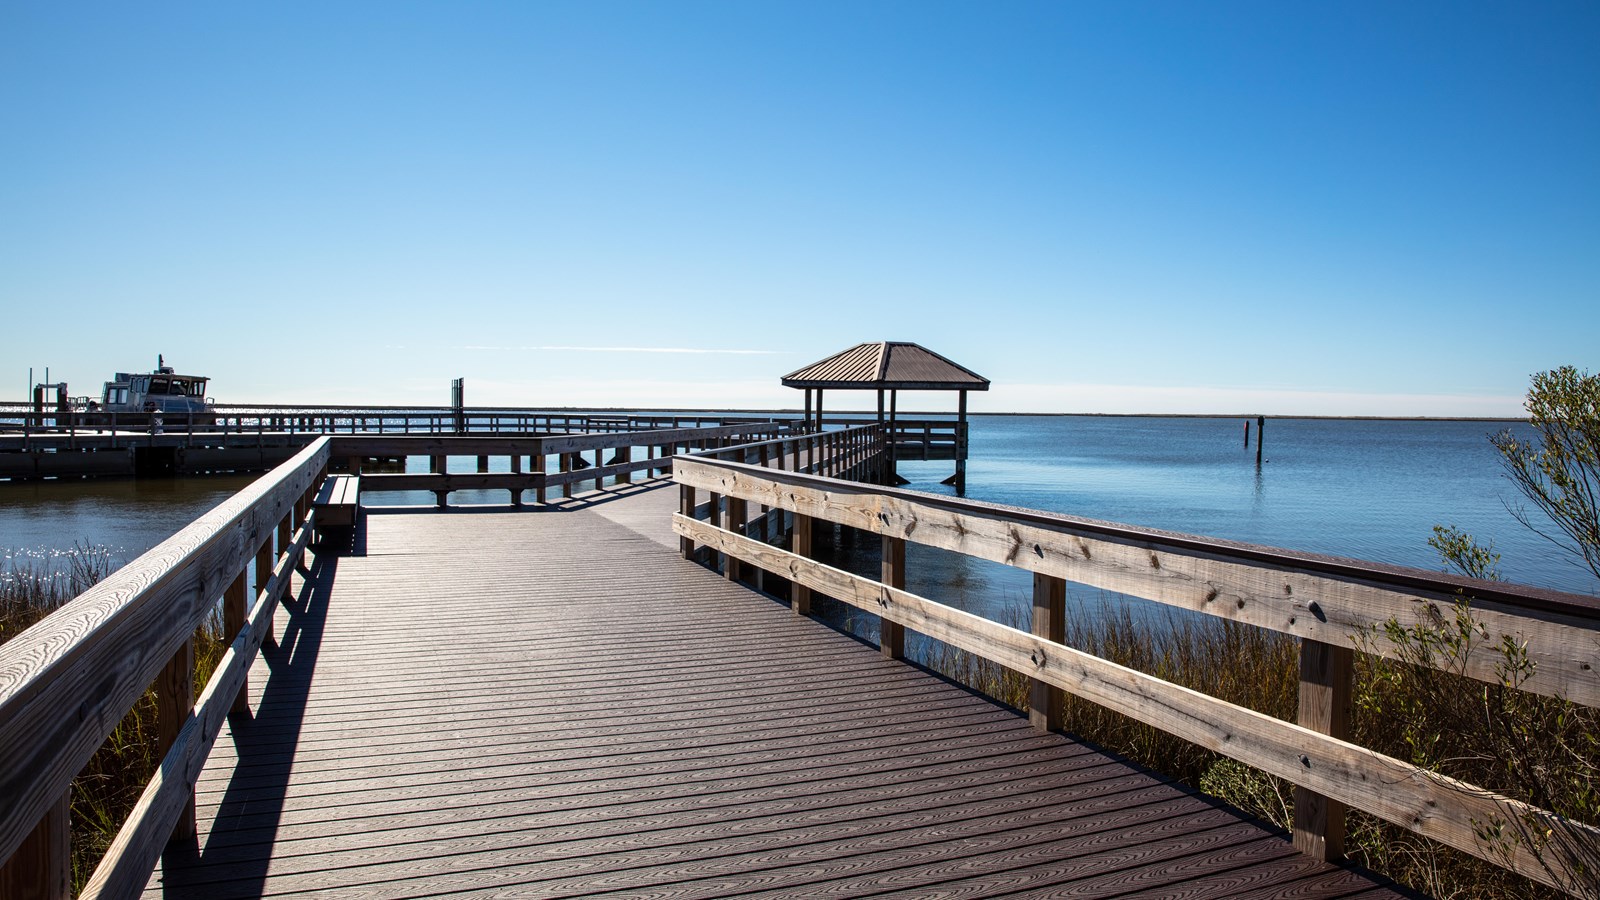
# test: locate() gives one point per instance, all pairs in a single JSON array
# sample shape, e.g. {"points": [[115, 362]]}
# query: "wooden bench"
{"points": [[337, 502]]}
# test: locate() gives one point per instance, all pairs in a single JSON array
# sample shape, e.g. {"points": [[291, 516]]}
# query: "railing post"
{"points": [[892, 635], [516, 469], [264, 557], [538, 463], [437, 465], [686, 507], [1325, 674], [800, 545], [41, 869], [1049, 622], [714, 517], [566, 466], [625, 455], [737, 515], [234, 611], [763, 459], [174, 703]]}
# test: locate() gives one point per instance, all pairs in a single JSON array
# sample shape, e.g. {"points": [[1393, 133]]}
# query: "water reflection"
{"points": [[127, 516]]}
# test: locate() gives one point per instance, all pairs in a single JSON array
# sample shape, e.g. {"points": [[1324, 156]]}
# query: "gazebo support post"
{"points": [[961, 445], [808, 409], [894, 443]]}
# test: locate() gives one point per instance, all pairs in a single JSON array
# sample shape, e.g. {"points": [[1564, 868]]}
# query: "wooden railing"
{"points": [[917, 435], [537, 464], [1327, 603], [18, 419], [855, 453], [69, 680]]}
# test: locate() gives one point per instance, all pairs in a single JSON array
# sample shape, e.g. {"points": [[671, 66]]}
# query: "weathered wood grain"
{"points": [[1321, 598], [95, 656], [41, 868], [1049, 621], [169, 797], [235, 608], [1430, 804], [174, 690], [891, 635], [1325, 684], [627, 722]]}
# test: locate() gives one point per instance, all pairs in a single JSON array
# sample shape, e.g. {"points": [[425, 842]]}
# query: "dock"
{"points": [[38, 444], [612, 684], [556, 704]]}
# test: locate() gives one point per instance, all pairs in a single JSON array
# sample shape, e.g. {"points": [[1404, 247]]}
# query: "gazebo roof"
{"points": [[887, 366]]}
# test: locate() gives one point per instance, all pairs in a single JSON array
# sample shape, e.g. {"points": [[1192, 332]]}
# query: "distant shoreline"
{"points": [[903, 413], [910, 413]]}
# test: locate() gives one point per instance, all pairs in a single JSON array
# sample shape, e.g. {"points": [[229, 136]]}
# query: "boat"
{"points": [[163, 391]]}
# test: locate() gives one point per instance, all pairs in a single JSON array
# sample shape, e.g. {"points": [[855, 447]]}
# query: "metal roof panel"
{"points": [[887, 365]]}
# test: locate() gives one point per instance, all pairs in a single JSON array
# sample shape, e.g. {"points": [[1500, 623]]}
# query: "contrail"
{"points": [[565, 349]]}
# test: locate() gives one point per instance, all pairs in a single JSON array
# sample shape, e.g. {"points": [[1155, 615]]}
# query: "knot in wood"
{"points": [[1037, 657], [1305, 760]]}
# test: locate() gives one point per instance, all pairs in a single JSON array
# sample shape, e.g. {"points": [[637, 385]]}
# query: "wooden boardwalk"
{"points": [[552, 703]]}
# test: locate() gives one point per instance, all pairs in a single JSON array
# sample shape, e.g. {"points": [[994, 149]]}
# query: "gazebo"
{"points": [[890, 367]]}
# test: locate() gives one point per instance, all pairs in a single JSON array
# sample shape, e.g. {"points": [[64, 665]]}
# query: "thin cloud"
{"points": [[566, 349]]}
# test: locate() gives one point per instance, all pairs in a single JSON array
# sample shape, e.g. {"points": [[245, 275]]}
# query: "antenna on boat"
{"points": [[160, 364]]}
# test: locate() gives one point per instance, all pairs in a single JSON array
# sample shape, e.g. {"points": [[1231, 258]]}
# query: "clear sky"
{"points": [[1316, 208]]}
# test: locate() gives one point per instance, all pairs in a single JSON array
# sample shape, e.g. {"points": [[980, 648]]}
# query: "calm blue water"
{"points": [[1364, 489]]}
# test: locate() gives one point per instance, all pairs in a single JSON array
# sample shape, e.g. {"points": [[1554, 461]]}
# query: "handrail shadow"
{"points": [[265, 742]]}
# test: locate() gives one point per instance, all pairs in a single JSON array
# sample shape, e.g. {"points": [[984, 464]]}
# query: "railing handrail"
{"points": [[753, 446], [114, 425], [1325, 601], [1538, 604], [67, 681]]}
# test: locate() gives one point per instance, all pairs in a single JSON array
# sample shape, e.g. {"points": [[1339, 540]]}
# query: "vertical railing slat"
{"points": [[1049, 622], [1325, 681], [41, 868], [892, 635]]}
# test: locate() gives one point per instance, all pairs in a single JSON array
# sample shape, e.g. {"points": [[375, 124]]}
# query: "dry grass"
{"points": [[32, 585], [1533, 748]]}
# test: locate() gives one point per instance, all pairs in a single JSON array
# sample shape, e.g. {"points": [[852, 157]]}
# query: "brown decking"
{"points": [[552, 703]]}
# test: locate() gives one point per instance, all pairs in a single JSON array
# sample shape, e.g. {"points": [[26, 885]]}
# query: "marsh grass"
{"points": [[1542, 750], [34, 584]]}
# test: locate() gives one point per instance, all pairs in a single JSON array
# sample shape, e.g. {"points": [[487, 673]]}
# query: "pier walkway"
{"points": [[552, 702]]}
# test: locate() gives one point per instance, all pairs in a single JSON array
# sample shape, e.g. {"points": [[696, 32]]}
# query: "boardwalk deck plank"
{"points": [[552, 703]]}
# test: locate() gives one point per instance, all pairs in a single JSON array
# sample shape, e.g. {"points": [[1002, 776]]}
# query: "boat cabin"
{"points": [[160, 391]]}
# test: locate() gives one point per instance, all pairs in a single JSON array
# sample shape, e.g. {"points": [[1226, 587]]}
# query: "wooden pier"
{"points": [[77, 444], [555, 704], [562, 700]]}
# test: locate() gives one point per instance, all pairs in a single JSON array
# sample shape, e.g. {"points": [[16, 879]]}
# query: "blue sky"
{"points": [[1313, 208]]}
